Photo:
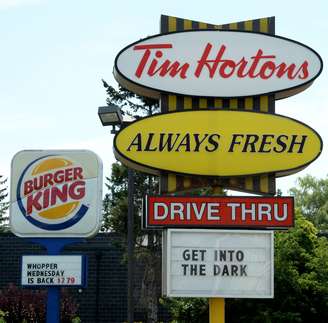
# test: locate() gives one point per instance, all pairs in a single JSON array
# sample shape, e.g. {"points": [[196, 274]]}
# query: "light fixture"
{"points": [[110, 116]]}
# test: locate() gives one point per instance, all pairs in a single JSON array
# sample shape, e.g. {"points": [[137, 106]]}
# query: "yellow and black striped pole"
{"points": [[263, 184], [171, 183], [217, 305], [216, 310]]}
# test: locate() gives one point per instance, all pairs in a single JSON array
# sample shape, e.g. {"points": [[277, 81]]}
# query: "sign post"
{"points": [[54, 247], [217, 128], [130, 238], [217, 310], [216, 305], [55, 202]]}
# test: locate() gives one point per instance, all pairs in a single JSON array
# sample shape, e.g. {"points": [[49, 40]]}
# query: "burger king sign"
{"points": [[56, 193]]}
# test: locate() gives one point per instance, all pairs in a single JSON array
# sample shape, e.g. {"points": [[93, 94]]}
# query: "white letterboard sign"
{"points": [[212, 263], [61, 270]]}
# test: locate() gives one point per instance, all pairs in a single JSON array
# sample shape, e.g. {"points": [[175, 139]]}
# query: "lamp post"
{"points": [[112, 116]]}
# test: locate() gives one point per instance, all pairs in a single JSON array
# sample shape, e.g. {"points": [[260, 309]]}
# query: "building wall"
{"points": [[105, 298]]}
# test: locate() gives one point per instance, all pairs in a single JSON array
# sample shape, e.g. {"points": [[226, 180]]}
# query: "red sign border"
{"points": [[145, 226]]}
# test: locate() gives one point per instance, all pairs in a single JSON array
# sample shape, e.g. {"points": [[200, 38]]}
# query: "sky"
{"points": [[54, 54]]}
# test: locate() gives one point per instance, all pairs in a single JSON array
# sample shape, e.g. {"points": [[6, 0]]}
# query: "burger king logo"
{"points": [[51, 192]]}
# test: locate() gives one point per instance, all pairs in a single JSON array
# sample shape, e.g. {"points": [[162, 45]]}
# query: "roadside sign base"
{"points": [[217, 313], [53, 305], [54, 246]]}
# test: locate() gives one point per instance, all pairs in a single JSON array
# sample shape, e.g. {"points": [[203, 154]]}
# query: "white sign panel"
{"points": [[212, 263], [53, 271], [55, 193], [217, 63]]}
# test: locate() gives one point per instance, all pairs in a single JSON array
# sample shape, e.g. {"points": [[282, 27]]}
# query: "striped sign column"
{"points": [[171, 183]]}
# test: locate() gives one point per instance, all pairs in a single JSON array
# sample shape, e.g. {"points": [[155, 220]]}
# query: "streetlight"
{"points": [[112, 116]]}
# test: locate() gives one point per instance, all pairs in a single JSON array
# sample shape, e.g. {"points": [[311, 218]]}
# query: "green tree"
{"points": [[301, 256], [301, 281], [147, 243], [311, 197], [187, 310], [300, 285], [3, 205], [23, 305]]}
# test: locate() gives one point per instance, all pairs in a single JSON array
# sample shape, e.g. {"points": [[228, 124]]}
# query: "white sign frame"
{"points": [[83, 221], [167, 280], [74, 267], [238, 44]]}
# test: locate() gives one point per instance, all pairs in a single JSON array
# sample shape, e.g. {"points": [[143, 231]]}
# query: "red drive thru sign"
{"points": [[218, 211]]}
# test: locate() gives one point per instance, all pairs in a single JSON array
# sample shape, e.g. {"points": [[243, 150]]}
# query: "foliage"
{"points": [[301, 281], [76, 319], [115, 206], [3, 316], [301, 267], [3, 204], [301, 256], [311, 197], [131, 104], [301, 285], [187, 310], [147, 243], [28, 305], [116, 200]]}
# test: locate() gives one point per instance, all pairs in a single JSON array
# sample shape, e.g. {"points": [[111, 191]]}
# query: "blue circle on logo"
{"points": [[47, 226]]}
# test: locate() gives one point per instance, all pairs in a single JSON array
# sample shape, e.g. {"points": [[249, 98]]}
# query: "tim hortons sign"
{"points": [[217, 143], [217, 63], [218, 212]]}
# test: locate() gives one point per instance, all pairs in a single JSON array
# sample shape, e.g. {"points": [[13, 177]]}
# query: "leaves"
{"points": [[311, 197], [130, 103], [187, 310], [4, 205], [301, 256], [301, 280], [115, 204], [300, 284], [26, 305]]}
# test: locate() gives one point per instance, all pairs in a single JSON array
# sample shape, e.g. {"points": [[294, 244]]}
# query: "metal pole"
{"points": [[53, 305], [98, 259], [216, 310], [54, 247], [130, 246], [216, 305]]}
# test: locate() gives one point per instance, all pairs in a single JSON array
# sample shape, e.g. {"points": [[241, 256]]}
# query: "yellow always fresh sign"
{"points": [[217, 143]]}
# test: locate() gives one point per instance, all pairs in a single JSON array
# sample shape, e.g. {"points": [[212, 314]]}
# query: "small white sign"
{"points": [[212, 263], [55, 193], [52, 271]]}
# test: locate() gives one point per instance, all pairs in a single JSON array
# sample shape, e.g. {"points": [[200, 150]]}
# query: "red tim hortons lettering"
{"points": [[167, 67], [257, 66]]}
